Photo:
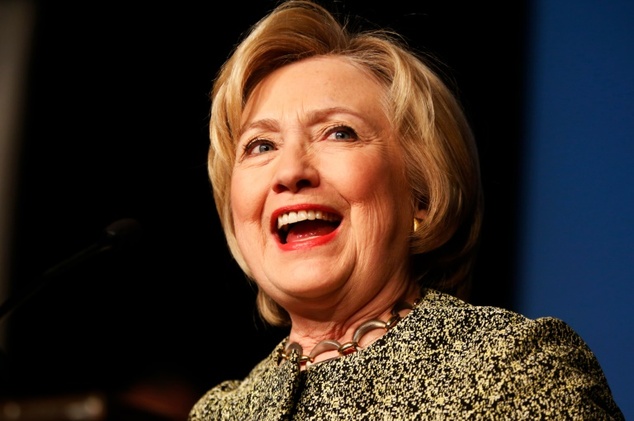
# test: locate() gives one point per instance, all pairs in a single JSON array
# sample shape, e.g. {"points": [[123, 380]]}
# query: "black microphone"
{"points": [[120, 235]]}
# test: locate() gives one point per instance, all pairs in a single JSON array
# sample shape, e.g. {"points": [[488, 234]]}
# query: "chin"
{"points": [[309, 281]]}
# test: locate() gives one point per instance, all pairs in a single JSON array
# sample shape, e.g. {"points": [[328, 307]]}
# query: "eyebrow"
{"points": [[313, 116], [265, 123]]}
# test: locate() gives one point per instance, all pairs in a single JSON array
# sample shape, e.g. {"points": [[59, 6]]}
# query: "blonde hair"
{"points": [[436, 139]]}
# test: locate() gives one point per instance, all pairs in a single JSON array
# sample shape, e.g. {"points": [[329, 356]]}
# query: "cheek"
{"points": [[379, 191], [248, 196], [243, 210], [237, 200], [244, 198], [376, 179]]}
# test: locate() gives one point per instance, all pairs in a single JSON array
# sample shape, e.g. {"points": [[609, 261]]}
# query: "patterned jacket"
{"points": [[445, 360]]}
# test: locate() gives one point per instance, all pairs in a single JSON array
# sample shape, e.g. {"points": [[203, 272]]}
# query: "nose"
{"points": [[295, 169]]}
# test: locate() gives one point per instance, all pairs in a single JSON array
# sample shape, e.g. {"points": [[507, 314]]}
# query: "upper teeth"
{"points": [[303, 215]]}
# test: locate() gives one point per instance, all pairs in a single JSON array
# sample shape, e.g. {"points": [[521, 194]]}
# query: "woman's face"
{"points": [[320, 201]]}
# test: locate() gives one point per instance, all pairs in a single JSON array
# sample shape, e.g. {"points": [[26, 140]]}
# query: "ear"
{"points": [[420, 211], [420, 214]]}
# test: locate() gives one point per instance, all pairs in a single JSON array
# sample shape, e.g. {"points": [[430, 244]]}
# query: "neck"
{"points": [[319, 341]]}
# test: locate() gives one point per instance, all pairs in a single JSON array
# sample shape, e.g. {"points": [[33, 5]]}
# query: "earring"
{"points": [[417, 223]]}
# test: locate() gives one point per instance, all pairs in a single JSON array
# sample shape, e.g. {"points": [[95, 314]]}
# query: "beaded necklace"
{"points": [[350, 347]]}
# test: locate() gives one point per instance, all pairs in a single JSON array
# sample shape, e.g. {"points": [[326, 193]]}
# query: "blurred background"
{"points": [[103, 116]]}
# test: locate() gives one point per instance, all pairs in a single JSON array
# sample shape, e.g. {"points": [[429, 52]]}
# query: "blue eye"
{"points": [[343, 133], [258, 147]]}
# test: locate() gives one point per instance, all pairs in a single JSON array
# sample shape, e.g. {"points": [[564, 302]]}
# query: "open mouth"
{"points": [[305, 224]]}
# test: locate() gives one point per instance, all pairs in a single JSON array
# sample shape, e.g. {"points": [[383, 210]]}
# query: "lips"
{"points": [[301, 225]]}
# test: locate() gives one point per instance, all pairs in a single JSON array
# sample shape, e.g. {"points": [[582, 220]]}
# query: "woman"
{"points": [[346, 178]]}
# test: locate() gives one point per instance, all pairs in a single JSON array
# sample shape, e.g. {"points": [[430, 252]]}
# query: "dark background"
{"points": [[116, 127]]}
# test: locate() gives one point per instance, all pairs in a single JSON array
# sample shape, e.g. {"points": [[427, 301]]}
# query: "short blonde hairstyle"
{"points": [[436, 139]]}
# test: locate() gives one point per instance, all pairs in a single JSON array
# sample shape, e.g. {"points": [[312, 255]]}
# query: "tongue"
{"points": [[308, 229]]}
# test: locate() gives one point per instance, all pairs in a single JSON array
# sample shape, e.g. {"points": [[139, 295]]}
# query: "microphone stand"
{"points": [[120, 233]]}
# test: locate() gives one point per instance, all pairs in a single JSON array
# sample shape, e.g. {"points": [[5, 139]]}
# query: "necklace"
{"points": [[347, 348]]}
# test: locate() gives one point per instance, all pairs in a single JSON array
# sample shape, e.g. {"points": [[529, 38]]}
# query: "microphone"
{"points": [[121, 234]]}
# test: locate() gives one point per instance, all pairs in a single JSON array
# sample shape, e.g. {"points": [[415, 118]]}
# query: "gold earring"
{"points": [[417, 223]]}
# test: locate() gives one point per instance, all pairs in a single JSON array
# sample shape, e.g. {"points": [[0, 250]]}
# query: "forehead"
{"points": [[316, 82]]}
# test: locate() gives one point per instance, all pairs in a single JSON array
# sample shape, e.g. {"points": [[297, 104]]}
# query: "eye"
{"points": [[258, 147], [343, 133]]}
